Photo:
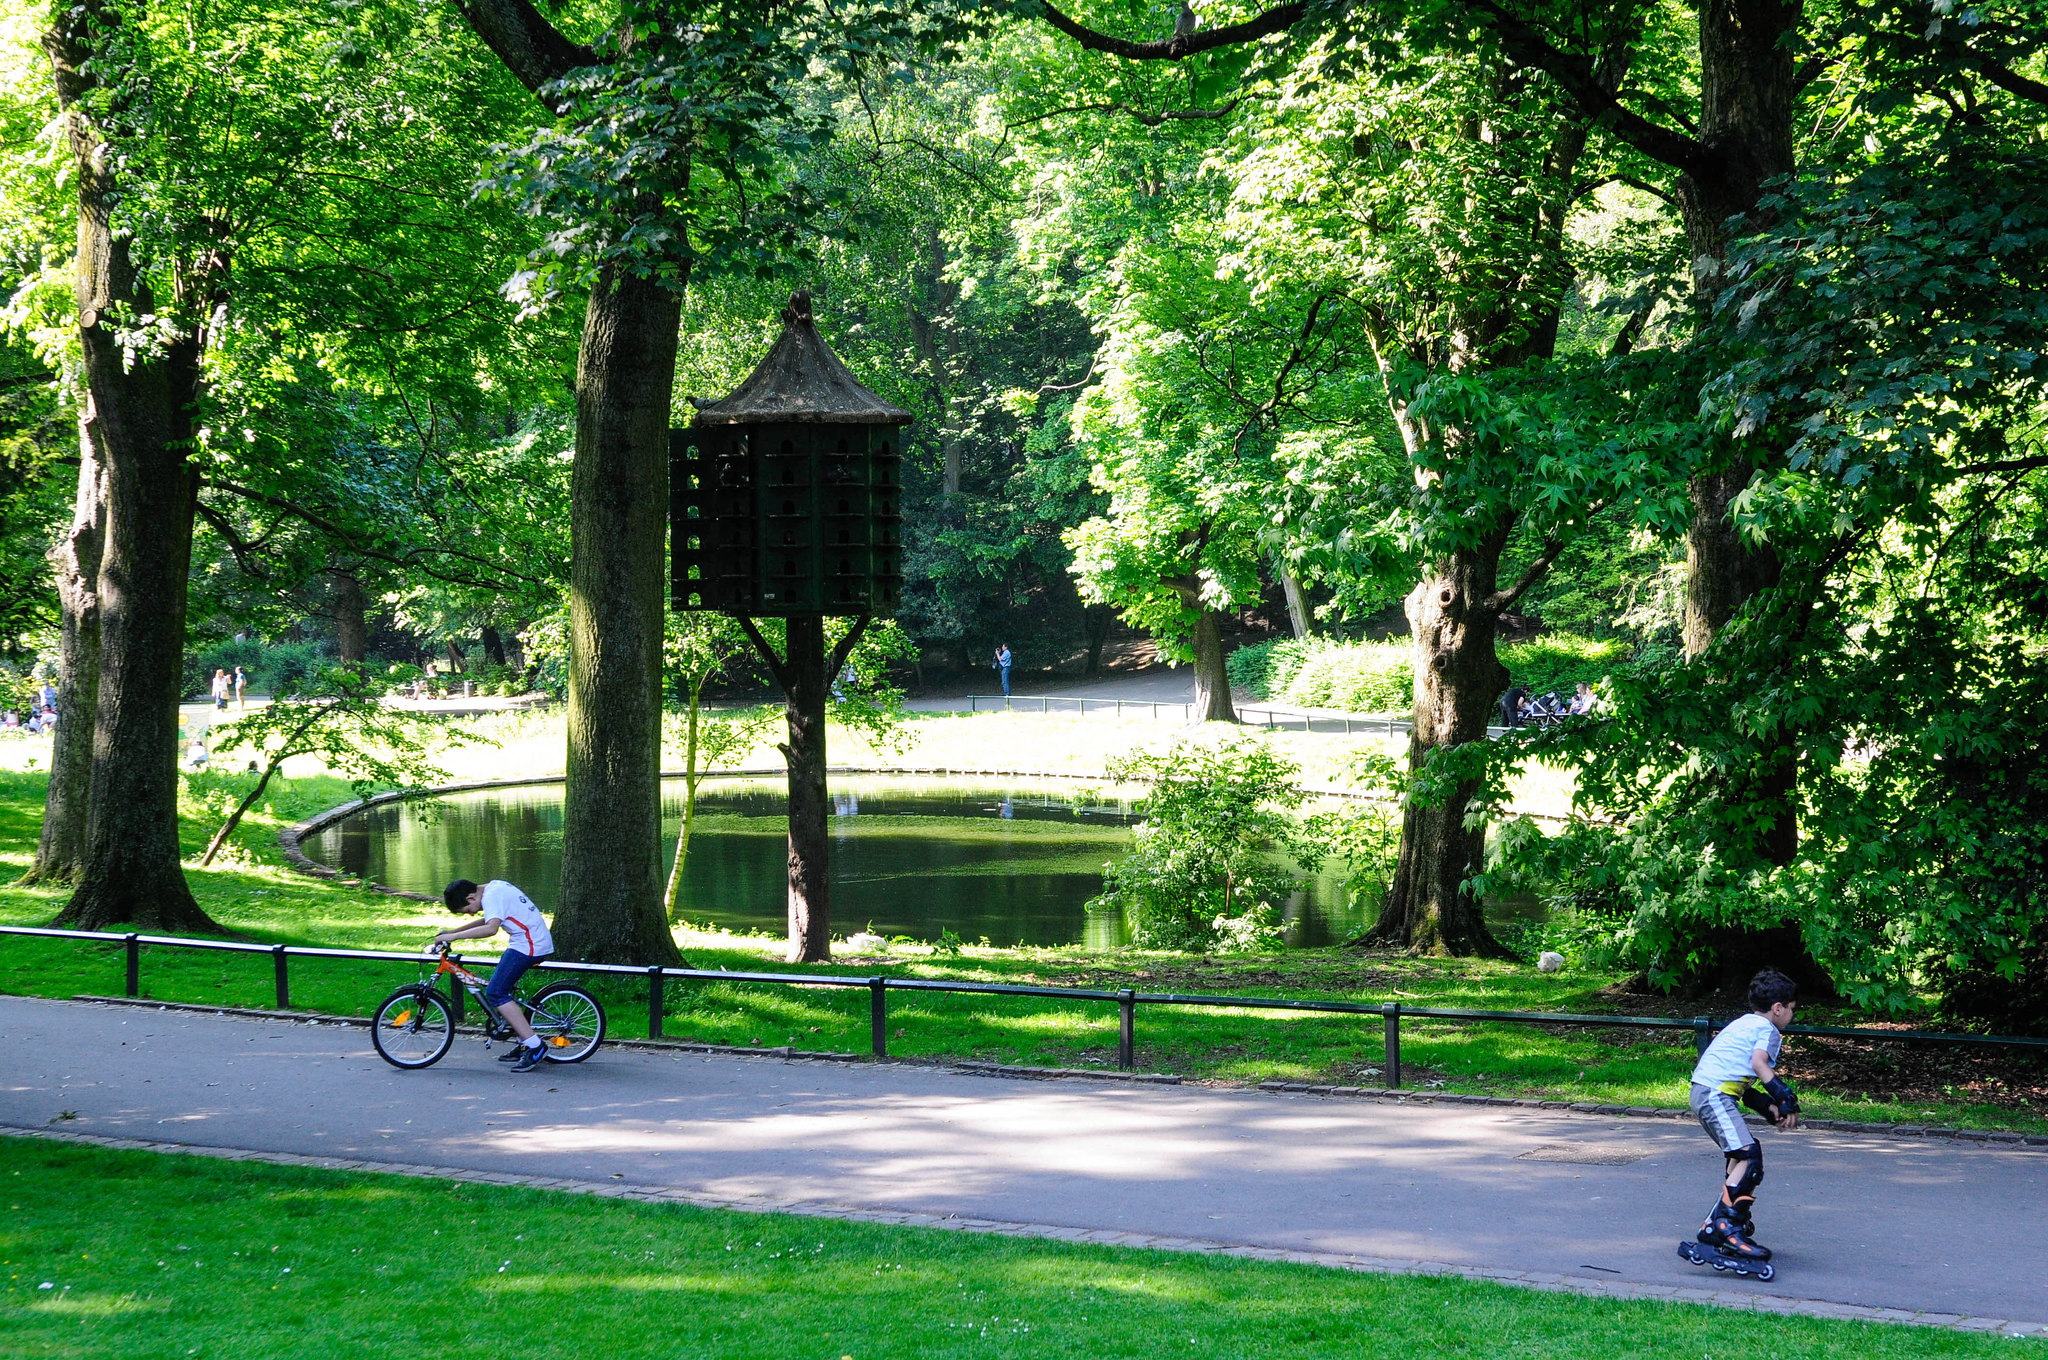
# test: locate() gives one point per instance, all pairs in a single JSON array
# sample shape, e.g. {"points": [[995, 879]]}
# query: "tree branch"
{"points": [[1574, 73], [238, 547], [533, 49], [1276, 20], [768, 657], [1502, 600], [1148, 118], [2011, 81], [2029, 464], [847, 644], [349, 538]]}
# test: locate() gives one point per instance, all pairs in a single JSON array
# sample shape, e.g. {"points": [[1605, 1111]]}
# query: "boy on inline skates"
{"points": [[1741, 1056]]}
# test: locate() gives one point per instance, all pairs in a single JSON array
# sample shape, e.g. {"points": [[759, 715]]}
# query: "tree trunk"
{"points": [[144, 420], [60, 853], [1429, 909], [351, 627], [1746, 100], [1297, 605], [1099, 619], [455, 656], [810, 888], [1212, 681], [610, 902], [494, 646]]}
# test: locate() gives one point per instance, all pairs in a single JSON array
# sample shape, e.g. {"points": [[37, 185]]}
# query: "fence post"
{"points": [[455, 992], [1702, 1034], [134, 944], [974, 703], [654, 1001], [1127, 1024], [1392, 1011], [284, 986], [878, 1015]]}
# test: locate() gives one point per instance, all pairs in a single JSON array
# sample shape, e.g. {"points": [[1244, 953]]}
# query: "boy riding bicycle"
{"points": [[500, 906]]}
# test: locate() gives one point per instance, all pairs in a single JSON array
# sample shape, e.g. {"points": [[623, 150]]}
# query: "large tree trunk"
{"points": [[144, 419], [1453, 613], [1212, 680], [610, 902], [60, 853], [1746, 100], [1747, 92], [351, 625], [810, 887], [494, 646]]}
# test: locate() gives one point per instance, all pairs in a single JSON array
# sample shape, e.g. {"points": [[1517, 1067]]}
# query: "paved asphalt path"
{"points": [[1879, 1222]]}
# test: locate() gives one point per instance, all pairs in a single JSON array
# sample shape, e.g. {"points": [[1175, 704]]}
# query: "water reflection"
{"points": [[913, 857]]}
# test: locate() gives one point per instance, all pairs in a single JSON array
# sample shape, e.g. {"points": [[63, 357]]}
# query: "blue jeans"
{"points": [[1006, 681], [511, 964]]}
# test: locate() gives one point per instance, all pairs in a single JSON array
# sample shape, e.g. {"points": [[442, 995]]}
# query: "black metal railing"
{"points": [[1126, 1000]]}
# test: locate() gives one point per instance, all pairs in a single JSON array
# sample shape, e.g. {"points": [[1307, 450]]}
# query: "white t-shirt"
{"points": [[522, 921], [1726, 1065]]}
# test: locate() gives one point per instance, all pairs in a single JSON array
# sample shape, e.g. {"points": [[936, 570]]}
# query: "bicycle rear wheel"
{"points": [[568, 1020], [413, 1028]]}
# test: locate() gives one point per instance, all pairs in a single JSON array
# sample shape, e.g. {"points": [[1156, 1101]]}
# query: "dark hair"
{"points": [[456, 894], [1769, 987]]}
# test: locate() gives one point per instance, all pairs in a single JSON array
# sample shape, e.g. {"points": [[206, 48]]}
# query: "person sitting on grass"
{"points": [[500, 906]]}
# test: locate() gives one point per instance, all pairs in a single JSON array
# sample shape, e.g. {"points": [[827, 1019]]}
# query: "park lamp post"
{"points": [[786, 501]]}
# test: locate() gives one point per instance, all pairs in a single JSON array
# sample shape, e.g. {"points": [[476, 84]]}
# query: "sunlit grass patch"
{"points": [[165, 1256]]}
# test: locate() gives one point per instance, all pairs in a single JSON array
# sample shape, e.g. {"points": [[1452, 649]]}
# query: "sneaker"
{"points": [[529, 1058], [512, 1054]]}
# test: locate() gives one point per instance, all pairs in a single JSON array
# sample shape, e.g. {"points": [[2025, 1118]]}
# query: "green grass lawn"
{"points": [[255, 895], [152, 1257]]}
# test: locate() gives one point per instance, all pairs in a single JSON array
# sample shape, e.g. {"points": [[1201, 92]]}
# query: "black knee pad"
{"points": [[1752, 1159]]}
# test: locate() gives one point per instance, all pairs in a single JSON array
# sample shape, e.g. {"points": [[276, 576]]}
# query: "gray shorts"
{"points": [[1720, 1114]]}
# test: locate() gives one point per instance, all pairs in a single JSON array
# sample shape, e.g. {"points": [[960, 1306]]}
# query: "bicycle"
{"points": [[415, 1025]]}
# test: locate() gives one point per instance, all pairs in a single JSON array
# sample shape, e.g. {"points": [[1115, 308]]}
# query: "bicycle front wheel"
{"points": [[413, 1028], [568, 1020]]}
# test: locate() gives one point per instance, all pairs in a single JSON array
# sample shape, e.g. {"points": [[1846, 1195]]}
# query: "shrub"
{"points": [[272, 668], [1379, 677], [1212, 855]]}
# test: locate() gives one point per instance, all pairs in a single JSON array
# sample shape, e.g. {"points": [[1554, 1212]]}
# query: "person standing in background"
{"points": [[220, 690], [1003, 662], [241, 682]]}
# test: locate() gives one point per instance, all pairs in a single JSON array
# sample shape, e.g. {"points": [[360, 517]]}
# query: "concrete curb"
{"points": [[1379, 1265]]}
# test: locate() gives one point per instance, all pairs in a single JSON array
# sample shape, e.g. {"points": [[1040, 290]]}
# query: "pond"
{"points": [[1012, 862]]}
